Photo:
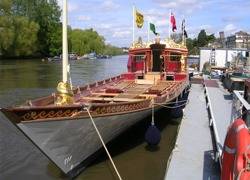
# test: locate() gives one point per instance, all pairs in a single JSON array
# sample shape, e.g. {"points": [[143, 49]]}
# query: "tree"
{"points": [[25, 39], [48, 17], [33, 27], [5, 7], [112, 50], [177, 37], [211, 38], [17, 33], [18, 36], [55, 41], [86, 41], [41, 18], [202, 38]]}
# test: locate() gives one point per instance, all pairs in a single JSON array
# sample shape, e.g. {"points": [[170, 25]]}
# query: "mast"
{"points": [[148, 30], [65, 43], [64, 95], [169, 27], [133, 28]]}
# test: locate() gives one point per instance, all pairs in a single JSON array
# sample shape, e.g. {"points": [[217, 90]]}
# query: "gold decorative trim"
{"points": [[33, 115], [64, 95], [168, 42]]}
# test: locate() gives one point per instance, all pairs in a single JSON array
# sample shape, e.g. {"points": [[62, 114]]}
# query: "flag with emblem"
{"points": [[139, 19]]}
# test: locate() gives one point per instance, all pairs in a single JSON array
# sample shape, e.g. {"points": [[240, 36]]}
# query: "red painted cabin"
{"points": [[157, 58]]}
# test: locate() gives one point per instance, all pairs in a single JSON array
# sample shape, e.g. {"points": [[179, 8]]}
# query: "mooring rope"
{"points": [[153, 115], [185, 102], [103, 144]]}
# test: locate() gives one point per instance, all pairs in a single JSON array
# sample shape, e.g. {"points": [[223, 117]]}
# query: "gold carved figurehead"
{"points": [[64, 95]]}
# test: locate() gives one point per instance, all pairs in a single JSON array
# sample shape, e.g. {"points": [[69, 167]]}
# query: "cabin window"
{"points": [[175, 57], [139, 57]]}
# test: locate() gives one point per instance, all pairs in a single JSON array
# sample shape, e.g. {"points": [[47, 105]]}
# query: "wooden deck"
{"points": [[131, 91]]}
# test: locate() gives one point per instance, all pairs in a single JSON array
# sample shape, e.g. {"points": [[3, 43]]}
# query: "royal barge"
{"points": [[59, 124]]}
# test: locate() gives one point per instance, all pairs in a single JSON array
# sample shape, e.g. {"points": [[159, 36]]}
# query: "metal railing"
{"points": [[238, 103], [212, 123]]}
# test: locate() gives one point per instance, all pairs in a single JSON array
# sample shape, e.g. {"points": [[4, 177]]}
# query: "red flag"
{"points": [[173, 22]]}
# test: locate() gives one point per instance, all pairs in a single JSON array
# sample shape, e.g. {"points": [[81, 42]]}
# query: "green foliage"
{"points": [[5, 7], [55, 40], [206, 69], [112, 50], [25, 36], [87, 41], [32, 27], [211, 38], [192, 46], [203, 39], [18, 36]]}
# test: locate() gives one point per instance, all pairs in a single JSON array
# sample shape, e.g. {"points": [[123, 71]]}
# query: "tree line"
{"points": [[32, 28], [88, 40], [202, 40]]}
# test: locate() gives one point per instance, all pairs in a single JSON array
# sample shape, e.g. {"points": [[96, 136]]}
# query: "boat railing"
{"points": [[240, 107], [212, 123]]}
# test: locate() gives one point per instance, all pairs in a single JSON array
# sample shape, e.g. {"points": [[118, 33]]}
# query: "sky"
{"points": [[113, 19]]}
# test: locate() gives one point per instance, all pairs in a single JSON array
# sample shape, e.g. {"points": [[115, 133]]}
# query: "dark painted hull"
{"points": [[70, 144]]}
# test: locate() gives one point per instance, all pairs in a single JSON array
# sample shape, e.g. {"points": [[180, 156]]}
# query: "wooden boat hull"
{"points": [[66, 135], [69, 143]]}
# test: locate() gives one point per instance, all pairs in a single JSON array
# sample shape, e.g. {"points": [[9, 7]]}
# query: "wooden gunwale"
{"points": [[97, 115], [164, 92], [168, 99]]}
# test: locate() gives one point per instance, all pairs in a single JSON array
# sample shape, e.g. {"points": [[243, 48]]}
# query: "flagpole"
{"points": [[133, 24], [148, 30], [65, 43], [169, 27], [182, 30], [185, 32]]}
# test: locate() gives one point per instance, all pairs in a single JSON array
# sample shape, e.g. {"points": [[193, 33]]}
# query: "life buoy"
{"points": [[242, 159], [244, 175], [229, 150], [236, 152]]}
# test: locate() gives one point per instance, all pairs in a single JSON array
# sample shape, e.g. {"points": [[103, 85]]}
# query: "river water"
{"points": [[21, 80]]}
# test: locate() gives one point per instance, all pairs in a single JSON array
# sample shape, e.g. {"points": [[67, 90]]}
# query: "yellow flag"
{"points": [[139, 19]]}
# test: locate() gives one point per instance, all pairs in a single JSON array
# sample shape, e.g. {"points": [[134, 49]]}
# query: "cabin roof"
{"points": [[169, 43]]}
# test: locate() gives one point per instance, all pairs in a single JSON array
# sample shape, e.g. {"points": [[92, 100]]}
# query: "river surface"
{"points": [[21, 80]]}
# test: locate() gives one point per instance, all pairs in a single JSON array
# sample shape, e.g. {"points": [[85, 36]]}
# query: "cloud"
{"points": [[121, 34], [187, 6], [113, 19], [230, 29], [104, 26], [109, 5], [84, 18], [71, 6], [231, 19], [194, 30]]}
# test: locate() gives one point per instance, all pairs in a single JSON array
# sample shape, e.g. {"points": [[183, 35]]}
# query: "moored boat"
{"points": [[59, 124], [65, 133]]}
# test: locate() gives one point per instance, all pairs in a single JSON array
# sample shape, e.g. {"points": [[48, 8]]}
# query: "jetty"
{"points": [[202, 133]]}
